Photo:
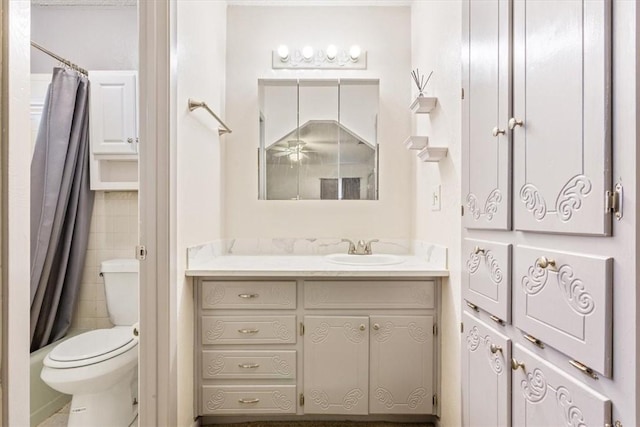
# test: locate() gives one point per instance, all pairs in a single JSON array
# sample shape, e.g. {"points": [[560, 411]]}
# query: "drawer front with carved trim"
{"points": [[244, 364], [248, 330], [259, 399], [564, 300], [368, 294], [486, 278], [248, 294], [542, 395]]}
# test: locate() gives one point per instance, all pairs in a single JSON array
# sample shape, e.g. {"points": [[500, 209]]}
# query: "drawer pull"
{"points": [[249, 365], [248, 296], [472, 306], [544, 262], [495, 348], [496, 319], [478, 250], [248, 400], [584, 369], [534, 340], [515, 364], [248, 331]]}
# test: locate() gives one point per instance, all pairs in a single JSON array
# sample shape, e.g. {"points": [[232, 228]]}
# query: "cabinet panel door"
{"points": [[401, 371], [567, 305], [113, 110], [486, 375], [544, 396], [562, 92], [486, 278], [486, 79], [336, 365]]}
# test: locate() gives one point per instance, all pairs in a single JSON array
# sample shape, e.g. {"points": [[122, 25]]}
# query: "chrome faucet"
{"points": [[361, 248]]}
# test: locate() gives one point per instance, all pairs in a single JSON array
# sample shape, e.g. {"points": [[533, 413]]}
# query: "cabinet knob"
{"points": [[130, 140], [495, 348], [497, 131], [376, 327], [515, 364], [544, 262], [478, 250], [362, 327], [513, 122]]}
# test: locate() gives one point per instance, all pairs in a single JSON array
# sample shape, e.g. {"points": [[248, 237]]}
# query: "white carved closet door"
{"points": [[544, 396], [401, 371], [485, 110], [486, 374], [336, 365], [561, 123]]}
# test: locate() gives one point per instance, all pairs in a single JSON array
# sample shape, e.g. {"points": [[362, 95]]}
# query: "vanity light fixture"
{"points": [[310, 58]]}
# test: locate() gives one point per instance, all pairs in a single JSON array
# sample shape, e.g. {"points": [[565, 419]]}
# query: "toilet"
{"points": [[99, 368]]}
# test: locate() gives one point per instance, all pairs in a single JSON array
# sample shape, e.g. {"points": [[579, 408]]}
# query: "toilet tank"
{"points": [[121, 289]]}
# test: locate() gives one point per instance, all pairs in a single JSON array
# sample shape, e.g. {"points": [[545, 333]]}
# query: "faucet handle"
{"points": [[367, 247], [352, 246]]}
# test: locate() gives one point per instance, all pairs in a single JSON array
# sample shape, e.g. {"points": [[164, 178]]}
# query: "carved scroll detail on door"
{"points": [[385, 397], [495, 272], [490, 205], [383, 334], [214, 296], [281, 401], [496, 360], [280, 295], [571, 287], [572, 414], [281, 331], [320, 398], [416, 397], [568, 201], [216, 331], [280, 365], [418, 333], [352, 333], [473, 339], [351, 398], [534, 388], [320, 333], [215, 401]]}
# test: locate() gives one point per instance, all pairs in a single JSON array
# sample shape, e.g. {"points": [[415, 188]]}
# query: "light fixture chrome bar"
{"points": [[193, 104], [61, 59]]}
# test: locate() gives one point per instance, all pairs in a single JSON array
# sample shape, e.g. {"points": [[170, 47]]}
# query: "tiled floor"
{"points": [[60, 418]]}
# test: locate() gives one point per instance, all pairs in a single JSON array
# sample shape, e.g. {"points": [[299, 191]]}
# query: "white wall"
{"points": [[253, 32], [94, 38], [436, 44], [201, 42]]}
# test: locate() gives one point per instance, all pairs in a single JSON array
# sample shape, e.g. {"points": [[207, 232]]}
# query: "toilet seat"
{"points": [[91, 347]]}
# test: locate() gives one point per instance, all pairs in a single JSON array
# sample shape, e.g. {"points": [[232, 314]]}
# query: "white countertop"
{"points": [[309, 266]]}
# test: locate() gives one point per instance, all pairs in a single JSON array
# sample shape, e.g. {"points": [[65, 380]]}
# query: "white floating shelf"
{"points": [[424, 104], [433, 154], [416, 142]]}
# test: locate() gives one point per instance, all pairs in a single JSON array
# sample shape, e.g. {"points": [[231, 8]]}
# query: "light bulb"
{"points": [[332, 51], [283, 52], [293, 156], [307, 52], [354, 52]]}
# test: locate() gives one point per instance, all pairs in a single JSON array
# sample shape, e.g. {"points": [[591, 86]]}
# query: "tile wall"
{"points": [[114, 234]]}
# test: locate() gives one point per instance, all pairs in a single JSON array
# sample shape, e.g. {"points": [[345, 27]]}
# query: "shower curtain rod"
{"points": [[61, 59]]}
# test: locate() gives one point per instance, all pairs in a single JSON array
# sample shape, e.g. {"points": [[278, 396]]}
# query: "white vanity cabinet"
{"points": [[536, 143], [317, 346]]}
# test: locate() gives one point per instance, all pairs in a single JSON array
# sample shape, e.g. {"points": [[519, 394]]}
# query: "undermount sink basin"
{"points": [[373, 259]]}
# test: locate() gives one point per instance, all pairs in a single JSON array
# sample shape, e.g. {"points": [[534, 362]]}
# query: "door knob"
{"points": [[544, 262], [362, 327], [376, 327], [513, 122], [496, 131], [515, 364], [495, 348]]}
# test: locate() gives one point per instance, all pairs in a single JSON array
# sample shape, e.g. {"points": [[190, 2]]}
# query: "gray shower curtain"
{"points": [[61, 206]]}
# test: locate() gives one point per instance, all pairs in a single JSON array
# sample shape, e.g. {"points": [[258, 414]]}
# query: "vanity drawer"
{"points": [[259, 399], [248, 294], [248, 329], [564, 300], [486, 278], [369, 294], [249, 364]]}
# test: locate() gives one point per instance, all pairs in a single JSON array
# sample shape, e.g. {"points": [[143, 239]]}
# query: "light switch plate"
{"points": [[435, 198]]}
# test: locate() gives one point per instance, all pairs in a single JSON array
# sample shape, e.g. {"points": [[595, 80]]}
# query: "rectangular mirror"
{"points": [[318, 139]]}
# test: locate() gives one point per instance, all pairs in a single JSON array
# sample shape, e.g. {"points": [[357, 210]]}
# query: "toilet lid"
{"points": [[92, 344]]}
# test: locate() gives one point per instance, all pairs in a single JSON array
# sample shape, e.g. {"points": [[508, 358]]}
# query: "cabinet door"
{"points": [[486, 385], [336, 365], [486, 108], [565, 300], [401, 371], [562, 102], [113, 112], [544, 396], [486, 278]]}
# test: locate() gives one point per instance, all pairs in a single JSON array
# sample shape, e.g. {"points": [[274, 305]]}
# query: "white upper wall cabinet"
{"points": [[113, 112], [486, 111], [562, 116]]}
